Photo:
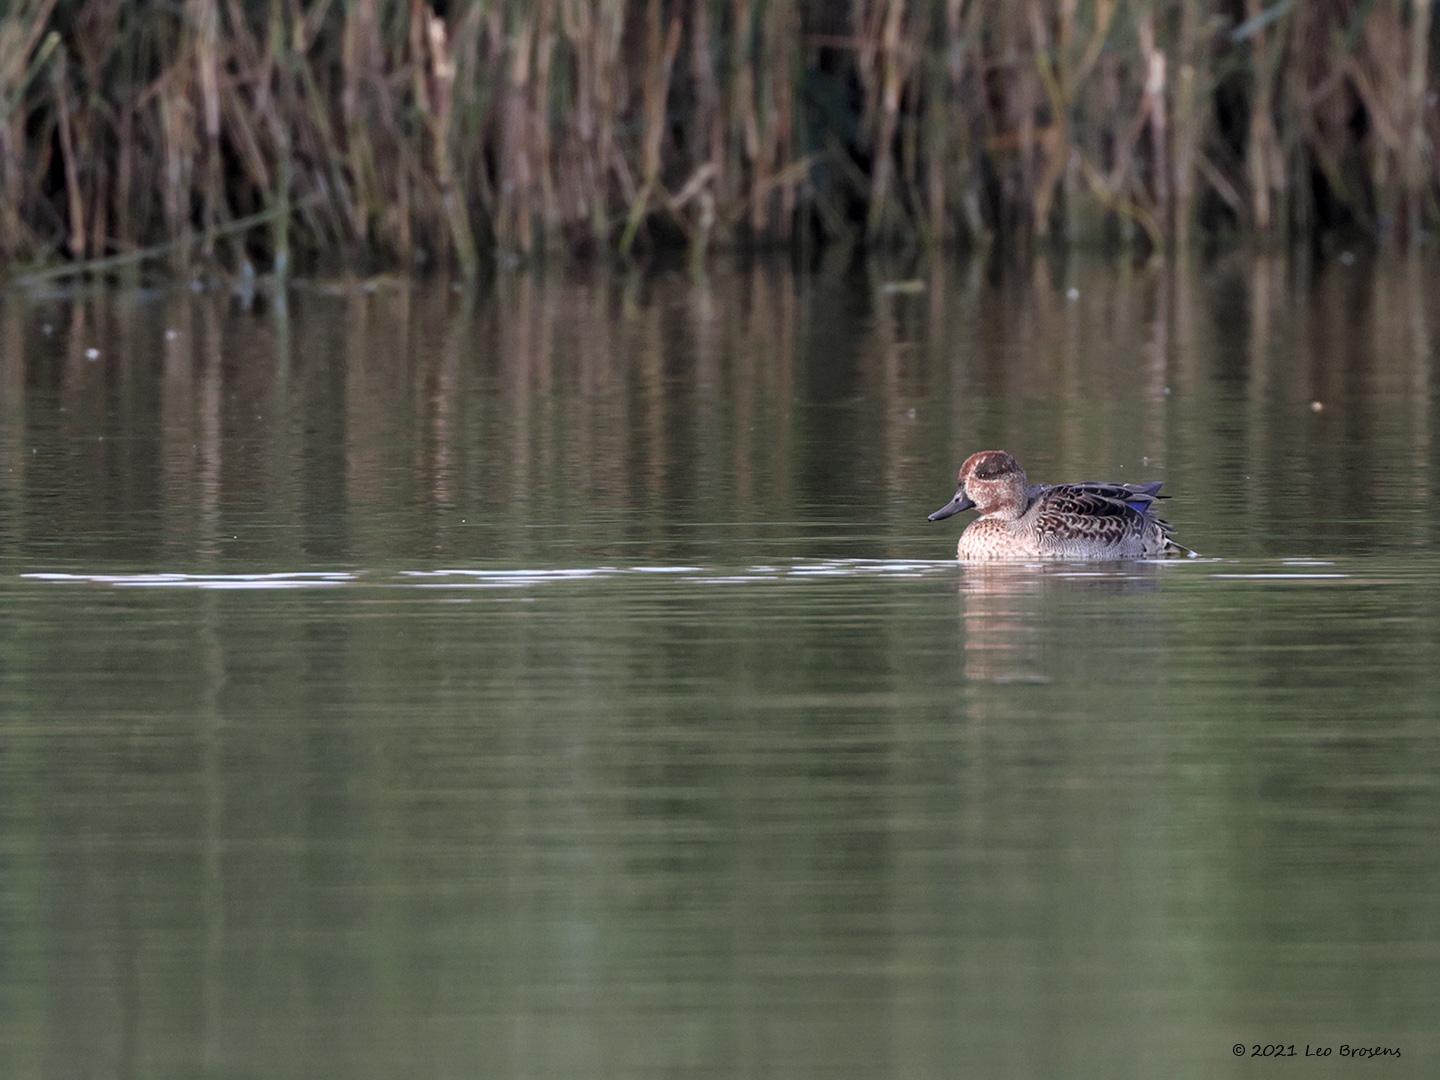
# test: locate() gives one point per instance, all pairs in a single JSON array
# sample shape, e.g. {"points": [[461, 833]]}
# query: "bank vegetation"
{"points": [[271, 134]]}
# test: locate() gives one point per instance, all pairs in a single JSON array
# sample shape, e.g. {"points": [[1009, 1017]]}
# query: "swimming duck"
{"points": [[1020, 520]]}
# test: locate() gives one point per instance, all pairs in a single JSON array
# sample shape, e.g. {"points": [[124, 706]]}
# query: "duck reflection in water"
{"points": [[1010, 633]]}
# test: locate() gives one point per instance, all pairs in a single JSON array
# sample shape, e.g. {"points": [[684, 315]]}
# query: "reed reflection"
{"points": [[622, 415]]}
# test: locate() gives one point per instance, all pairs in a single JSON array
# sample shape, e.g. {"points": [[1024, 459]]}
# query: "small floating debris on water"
{"points": [[910, 285], [171, 333], [1347, 257], [47, 329], [1072, 293], [92, 353], [1317, 406]]}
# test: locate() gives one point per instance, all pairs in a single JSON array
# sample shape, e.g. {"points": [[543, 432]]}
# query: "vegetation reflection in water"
{"points": [[756, 410], [564, 680]]}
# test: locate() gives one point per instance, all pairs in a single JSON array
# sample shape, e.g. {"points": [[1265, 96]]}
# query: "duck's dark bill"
{"points": [[954, 506]]}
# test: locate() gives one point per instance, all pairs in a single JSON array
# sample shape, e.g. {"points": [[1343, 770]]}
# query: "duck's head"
{"points": [[988, 481]]}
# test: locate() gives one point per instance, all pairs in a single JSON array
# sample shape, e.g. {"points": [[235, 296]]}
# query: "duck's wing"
{"points": [[1090, 500], [1105, 515], [1138, 497]]}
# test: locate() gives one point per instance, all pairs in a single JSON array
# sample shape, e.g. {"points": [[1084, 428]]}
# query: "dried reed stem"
{"points": [[410, 130]]}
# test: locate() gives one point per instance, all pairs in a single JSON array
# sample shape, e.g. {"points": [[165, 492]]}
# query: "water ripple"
{"points": [[280, 580], [462, 578]]}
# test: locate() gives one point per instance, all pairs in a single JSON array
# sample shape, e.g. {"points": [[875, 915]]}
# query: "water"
{"points": [[563, 680]]}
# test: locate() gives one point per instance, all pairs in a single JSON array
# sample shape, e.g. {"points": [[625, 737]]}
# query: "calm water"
{"points": [[563, 681]]}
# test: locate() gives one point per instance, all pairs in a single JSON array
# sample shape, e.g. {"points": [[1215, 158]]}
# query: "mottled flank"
{"points": [[1085, 520]]}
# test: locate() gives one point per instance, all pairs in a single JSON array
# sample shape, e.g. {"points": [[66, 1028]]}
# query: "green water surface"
{"points": [[561, 679]]}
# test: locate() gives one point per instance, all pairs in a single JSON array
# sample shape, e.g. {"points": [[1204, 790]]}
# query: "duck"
{"points": [[1085, 520]]}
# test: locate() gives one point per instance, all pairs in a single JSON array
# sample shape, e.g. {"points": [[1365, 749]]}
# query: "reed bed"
{"points": [[260, 134]]}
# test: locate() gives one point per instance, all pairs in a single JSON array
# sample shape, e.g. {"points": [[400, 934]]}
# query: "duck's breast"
{"points": [[987, 540]]}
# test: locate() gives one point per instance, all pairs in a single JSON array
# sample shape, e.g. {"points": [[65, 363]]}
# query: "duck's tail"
{"points": [[1177, 550], [1169, 546]]}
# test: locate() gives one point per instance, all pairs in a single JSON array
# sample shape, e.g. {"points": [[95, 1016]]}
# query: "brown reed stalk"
{"points": [[1262, 153], [662, 45], [1153, 98], [396, 127], [1420, 159], [707, 160], [1189, 125], [25, 47], [884, 60], [1053, 140], [435, 91], [1379, 69], [362, 59], [203, 17], [74, 199]]}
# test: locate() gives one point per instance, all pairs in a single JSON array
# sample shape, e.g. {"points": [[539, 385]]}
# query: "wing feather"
{"points": [[1077, 501], [1136, 496], [1103, 515]]}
